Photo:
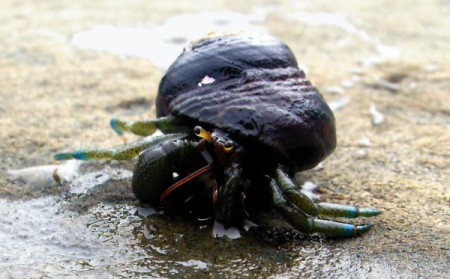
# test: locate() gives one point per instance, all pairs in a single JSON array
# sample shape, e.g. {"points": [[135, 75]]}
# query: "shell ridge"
{"points": [[259, 95]]}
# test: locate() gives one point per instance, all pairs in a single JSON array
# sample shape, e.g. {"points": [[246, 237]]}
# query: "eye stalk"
{"points": [[228, 146], [200, 132]]}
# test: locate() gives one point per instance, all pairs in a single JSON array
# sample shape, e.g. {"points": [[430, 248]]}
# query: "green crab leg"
{"points": [[229, 204], [311, 224], [303, 202], [168, 124], [126, 152], [347, 211]]}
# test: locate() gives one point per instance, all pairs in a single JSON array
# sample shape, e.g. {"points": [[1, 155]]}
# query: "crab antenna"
{"points": [[183, 181]]}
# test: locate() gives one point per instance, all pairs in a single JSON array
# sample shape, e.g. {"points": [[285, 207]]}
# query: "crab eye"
{"points": [[197, 130], [200, 132], [228, 146]]}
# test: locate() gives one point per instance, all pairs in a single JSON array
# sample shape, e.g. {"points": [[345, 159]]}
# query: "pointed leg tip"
{"points": [[338, 229], [115, 123], [361, 229], [368, 212], [349, 230], [63, 156]]}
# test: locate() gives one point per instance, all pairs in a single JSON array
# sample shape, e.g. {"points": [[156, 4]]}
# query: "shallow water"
{"points": [[41, 238], [164, 42], [71, 234]]}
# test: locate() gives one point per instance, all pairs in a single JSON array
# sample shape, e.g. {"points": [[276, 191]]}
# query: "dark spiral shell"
{"points": [[259, 96]]}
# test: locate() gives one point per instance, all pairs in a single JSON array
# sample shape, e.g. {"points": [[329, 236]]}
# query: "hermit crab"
{"points": [[238, 119]]}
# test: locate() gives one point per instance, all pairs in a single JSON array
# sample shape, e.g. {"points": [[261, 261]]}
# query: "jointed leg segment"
{"points": [[126, 152], [302, 212], [170, 125], [166, 124], [298, 209]]}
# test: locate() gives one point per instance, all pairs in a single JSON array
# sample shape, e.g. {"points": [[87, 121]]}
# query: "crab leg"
{"points": [[126, 152], [229, 204], [311, 224], [166, 124], [154, 175], [347, 211], [302, 201]]}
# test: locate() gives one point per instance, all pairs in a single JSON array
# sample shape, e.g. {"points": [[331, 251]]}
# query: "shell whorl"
{"points": [[222, 58], [259, 95]]}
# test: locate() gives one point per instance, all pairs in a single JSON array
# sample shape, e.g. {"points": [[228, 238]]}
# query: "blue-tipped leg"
{"points": [[117, 126], [77, 155], [94, 154], [291, 193], [126, 152], [63, 156], [337, 229], [346, 211], [302, 212]]}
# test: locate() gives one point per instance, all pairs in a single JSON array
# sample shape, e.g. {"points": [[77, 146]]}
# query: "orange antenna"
{"points": [[183, 181]]}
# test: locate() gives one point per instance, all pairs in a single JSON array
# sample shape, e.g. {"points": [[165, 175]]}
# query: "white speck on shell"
{"points": [[206, 80]]}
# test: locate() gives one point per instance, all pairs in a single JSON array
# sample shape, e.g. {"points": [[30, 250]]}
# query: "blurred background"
{"points": [[67, 67]]}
